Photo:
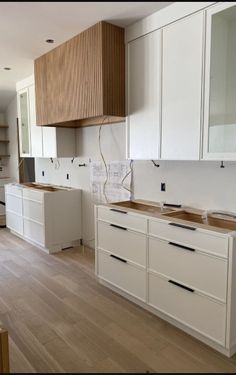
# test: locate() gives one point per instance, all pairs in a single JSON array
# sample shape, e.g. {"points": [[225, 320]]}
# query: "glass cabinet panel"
{"points": [[24, 123], [222, 81]]}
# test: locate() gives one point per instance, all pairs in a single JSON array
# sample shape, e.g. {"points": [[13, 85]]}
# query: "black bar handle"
{"points": [[182, 226], [181, 246], [172, 205], [118, 258], [121, 212], [181, 286], [118, 226]]}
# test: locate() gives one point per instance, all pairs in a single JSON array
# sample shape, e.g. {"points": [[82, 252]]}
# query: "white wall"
{"points": [[11, 115], [113, 148], [199, 184]]}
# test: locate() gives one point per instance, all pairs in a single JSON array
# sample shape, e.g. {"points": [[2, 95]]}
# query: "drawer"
{"points": [[14, 204], [34, 232], [122, 275], [33, 210], [123, 218], [194, 310], [14, 222], [200, 239], [124, 243], [198, 270], [15, 190], [33, 194]]}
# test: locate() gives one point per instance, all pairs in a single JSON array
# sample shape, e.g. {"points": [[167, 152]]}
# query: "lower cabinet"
{"points": [[170, 276], [123, 275], [42, 217], [197, 311]]}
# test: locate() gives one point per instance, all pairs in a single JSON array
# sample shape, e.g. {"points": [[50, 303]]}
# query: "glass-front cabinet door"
{"points": [[24, 122], [219, 141]]}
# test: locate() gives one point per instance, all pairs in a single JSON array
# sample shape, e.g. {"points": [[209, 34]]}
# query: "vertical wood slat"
{"points": [[82, 79], [4, 352]]}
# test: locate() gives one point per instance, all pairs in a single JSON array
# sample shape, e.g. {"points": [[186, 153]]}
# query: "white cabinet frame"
{"points": [[206, 155]]}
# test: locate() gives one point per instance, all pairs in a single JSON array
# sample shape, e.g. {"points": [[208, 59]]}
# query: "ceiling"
{"points": [[24, 27]]}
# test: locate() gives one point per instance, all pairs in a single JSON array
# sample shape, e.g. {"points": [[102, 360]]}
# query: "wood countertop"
{"points": [[225, 223]]}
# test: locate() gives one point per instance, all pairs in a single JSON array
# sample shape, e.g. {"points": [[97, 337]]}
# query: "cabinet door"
{"points": [[36, 131], [144, 87], [182, 89], [220, 83], [24, 122], [49, 142]]}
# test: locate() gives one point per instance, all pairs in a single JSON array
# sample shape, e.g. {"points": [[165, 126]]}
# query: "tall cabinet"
{"points": [[220, 83], [37, 141], [164, 90], [144, 91], [182, 88]]}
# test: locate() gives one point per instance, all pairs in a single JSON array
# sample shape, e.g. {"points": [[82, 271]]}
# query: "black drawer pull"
{"points": [[117, 226], [182, 226], [121, 212], [120, 259], [181, 246], [172, 205], [181, 286]]}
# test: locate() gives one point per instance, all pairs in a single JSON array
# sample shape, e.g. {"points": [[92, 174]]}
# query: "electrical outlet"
{"points": [[163, 186], [43, 173], [67, 176]]}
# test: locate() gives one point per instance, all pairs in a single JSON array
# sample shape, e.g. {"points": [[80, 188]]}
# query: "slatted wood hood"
{"points": [[82, 81]]}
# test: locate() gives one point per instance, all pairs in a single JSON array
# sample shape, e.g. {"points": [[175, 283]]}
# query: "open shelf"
{"points": [[3, 126], [4, 140]]}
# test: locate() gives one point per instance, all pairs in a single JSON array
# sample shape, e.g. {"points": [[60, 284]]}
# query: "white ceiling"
{"points": [[24, 27]]}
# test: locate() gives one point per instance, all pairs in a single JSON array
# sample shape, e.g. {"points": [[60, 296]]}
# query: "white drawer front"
{"points": [[33, 210], [14, 222], [124, 243], [125, 219], [123, 275], [34, 232], [35, 195], [196, 311], [203, 272], [194, 238], [15, 190], [14, 204]]}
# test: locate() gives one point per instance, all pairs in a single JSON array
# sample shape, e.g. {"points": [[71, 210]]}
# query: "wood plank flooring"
{"points": [[61, 320]]}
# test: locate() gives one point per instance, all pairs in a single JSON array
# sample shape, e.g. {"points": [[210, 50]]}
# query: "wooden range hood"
{"points": [[82, 81]]}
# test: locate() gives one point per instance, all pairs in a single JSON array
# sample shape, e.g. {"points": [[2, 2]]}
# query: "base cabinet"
{"points": [[188, 283], [42, 217], [188, 307]]}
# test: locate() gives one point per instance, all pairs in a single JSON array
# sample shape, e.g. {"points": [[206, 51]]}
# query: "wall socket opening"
{"points": [[67, 176], [163, 186], [43, 173]]}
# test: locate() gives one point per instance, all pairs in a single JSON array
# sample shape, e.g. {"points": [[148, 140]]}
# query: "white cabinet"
{"points": [[183, 274], [50, 220], [182, 89], [220, 83], [38, 141], [144, 97]]}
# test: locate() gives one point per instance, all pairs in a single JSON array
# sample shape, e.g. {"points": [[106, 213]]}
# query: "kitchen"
{"points": [[148, 116]]}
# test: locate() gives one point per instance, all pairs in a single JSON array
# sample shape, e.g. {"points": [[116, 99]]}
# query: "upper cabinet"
{"points": [[182, 89], [82, 81], [35, 141], [220, 83], [143, 99]]}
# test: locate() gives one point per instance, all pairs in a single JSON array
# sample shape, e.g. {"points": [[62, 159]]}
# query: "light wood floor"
{"points": [[61, 320]]}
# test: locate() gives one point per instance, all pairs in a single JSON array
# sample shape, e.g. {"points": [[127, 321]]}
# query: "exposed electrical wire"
{"points": [[103, 159], [57, 164], [127, 174], [155, 164]]}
